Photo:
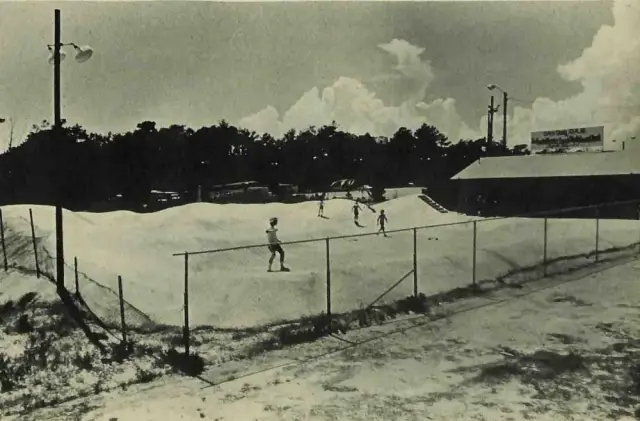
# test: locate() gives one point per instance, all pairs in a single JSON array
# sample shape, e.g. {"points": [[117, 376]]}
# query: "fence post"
{"points": [[475, 240], [187, 339], [638, 222], [328, 256], [75, 271], [35, 245], [597, 231], [415, 263], [4, 248], [544, 257], [122, 319]]}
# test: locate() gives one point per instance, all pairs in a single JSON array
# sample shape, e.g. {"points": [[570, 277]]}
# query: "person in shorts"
{"points": [[382, 219], [274, 244], [321, 207], [356, 212]]}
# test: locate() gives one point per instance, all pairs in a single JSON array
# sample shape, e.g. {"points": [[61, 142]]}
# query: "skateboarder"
{"points": [[382, 219], [356, 212], [321, 207], [274, 245]]}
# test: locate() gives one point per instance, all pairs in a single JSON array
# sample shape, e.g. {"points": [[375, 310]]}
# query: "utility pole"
{"points": [[491, 112], [505, 98], [10, 133], [56, 139], [60, 148]]}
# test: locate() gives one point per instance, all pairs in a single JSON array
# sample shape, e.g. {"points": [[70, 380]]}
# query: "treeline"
{"points": [[91, 167]]}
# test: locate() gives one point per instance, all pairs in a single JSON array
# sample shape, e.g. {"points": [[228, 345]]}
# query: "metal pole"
{"points": [[4, 248], [505, 98], [187, 341], [415, 263], [597, 231], [35, 244], [544, 258], [328, 279], [75, 271], [475, 239], [490, 123], [56, 138], [122, 319]]}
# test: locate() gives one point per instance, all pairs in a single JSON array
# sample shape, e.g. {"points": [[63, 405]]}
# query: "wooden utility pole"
{"points": [[505, 99], [491, 112], [57, 122]]}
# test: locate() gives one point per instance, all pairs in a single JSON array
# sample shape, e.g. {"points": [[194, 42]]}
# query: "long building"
{"points": [[516, 185]]}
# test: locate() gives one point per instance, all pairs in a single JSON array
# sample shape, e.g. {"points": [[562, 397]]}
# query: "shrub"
{"points": [[27, 298], [11, 373], [122, 351], [23, 325], [191, 364]]}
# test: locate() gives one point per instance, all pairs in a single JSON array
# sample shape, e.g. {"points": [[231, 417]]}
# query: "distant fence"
{"points": [[344, 273], [428, 259]]}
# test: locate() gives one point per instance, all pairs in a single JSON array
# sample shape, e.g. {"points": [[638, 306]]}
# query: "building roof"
{"points": [[553, 165]]}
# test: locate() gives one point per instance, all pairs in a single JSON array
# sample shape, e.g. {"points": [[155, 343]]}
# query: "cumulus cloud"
{"points": [[608, 70], [357, 109]]}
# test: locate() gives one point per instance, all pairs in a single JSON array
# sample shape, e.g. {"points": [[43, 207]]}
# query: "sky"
{"points": [[370, 66]]}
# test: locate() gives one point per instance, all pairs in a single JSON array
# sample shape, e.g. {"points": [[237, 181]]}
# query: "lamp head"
{"points": [[84, 53], [63, 55], [491, 87]]}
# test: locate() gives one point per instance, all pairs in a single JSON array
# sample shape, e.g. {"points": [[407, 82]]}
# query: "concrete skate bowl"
{"points": [[232, 289]]}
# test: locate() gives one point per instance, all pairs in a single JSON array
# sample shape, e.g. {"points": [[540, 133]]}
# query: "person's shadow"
{"points": [[324, 217], [359, 225]]}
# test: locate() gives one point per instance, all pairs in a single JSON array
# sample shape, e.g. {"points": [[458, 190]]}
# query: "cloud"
{"points": [[608, 70], [357, 109]]}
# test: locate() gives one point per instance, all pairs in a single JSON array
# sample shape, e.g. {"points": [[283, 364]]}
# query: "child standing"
{"points": [[356, 212], [382, 219], [274, 244]]}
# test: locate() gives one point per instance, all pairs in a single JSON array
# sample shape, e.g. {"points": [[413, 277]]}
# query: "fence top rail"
{"points": [[469, 221]]}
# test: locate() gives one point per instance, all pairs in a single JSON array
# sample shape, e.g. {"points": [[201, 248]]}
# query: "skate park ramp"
{"points": [[234, 289]]}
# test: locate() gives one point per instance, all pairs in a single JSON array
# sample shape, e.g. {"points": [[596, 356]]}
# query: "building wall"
{"points": [[510, 197]]}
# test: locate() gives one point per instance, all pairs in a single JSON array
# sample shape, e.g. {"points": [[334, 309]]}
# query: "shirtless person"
{"points": [[382, 219]]}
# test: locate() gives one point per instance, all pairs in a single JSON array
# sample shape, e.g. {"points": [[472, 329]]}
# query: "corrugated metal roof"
{"points": [[553, 165]]}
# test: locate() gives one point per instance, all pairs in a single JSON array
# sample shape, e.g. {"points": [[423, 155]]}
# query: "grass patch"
{"points": [[541, 365], [312, 328]]}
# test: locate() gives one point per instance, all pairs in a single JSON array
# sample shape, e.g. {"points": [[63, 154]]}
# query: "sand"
{"points": [[233, 289], [427, 372]]}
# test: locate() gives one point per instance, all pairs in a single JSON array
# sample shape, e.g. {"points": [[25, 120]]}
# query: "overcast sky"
{"points": [[369, 66]]}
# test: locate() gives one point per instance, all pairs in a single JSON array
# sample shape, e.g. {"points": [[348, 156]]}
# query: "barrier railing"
{"points": [[435, 258], [348, 272]]}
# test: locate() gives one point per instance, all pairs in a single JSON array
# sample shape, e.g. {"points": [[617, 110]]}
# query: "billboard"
{"points": [[581, 139]]}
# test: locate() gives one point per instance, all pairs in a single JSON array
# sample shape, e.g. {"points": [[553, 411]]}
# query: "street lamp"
{"points": [[83, 54], [505, 99]]}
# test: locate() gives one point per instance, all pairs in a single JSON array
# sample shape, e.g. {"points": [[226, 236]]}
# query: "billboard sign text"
{"points": [[582, 139]]}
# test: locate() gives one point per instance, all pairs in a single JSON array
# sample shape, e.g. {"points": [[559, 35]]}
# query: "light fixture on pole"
{"points": [[505, 100], [82, 55]]}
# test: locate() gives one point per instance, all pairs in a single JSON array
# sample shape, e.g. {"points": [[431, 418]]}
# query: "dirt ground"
{"points": [[560, 350]]}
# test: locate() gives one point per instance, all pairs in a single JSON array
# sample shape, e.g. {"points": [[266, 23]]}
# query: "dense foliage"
{"points": [[93, 167]]}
